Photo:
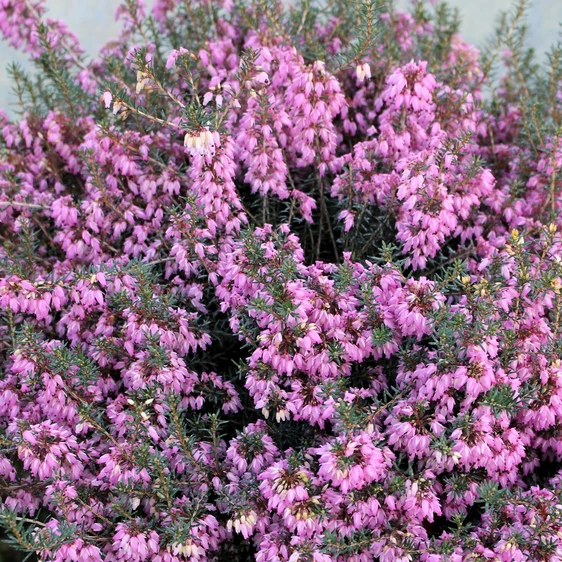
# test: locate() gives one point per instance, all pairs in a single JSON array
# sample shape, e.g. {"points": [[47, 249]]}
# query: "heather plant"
{"points": [[281, 283]]}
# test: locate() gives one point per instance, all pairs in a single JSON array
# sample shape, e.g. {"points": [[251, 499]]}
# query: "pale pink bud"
{"points": [[106, 98], [363, 71]]}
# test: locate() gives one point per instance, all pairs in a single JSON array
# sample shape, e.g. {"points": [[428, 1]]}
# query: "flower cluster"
{"points": [[281, 284]]}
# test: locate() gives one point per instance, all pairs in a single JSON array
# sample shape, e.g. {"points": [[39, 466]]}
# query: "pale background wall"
{"points": [[93, 22]]}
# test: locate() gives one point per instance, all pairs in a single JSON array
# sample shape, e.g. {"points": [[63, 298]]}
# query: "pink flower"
{"points": [[107, 98]]}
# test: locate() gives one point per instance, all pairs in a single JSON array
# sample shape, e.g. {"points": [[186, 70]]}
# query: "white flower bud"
{"points": [[363, 71]]}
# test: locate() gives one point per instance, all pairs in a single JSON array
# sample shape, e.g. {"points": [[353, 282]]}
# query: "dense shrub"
{"points": [[281, 284]]}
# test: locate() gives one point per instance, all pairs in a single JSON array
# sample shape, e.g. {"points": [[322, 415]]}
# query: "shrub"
{"points": [[281, 284]]}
